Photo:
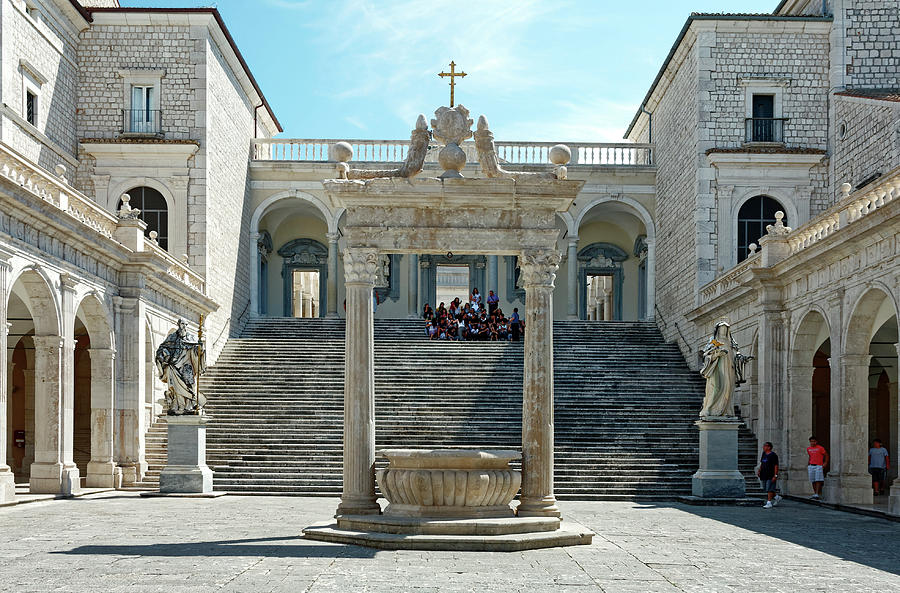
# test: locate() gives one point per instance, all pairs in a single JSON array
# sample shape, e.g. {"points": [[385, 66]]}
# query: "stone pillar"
{"points": [[28, 375], [572, 277], [651, 279], [413, 287], [848, 481], [50, 472], [493, 269], [894, 500], [358, 496], [101, 470], [186, 471], [773, 330], [331, 307], [131, 381], [7, 479], [538, 274], [795, 479], [254, 274], [718, 475]]}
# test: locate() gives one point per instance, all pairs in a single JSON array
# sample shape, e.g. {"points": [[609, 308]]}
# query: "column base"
{"points": [[358, 506], [54, 478], [540, 507], [894, 498], [103, 474], [572, 317], [7, 485], [848, 489], [133, 472]]}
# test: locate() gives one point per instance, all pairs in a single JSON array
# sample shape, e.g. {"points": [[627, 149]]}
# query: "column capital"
{"points": [[68, 281], [110, 352], [573, 241], [360, 265], [856, 360], [539, 267], [332, 237]]}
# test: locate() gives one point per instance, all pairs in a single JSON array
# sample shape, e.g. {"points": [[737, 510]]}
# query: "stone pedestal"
{"points": [[186, 471], [718, 475]]}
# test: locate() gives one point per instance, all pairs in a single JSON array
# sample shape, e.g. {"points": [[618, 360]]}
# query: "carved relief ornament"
{"points": [[360, 266], [539, 268]]}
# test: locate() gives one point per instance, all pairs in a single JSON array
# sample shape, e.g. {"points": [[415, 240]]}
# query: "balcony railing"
{"points": [[764, 129], [141, 121], [394, 151]]}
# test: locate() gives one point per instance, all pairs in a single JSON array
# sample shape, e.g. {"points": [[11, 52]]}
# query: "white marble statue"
{"points": [[721, 363], [180, 363]]}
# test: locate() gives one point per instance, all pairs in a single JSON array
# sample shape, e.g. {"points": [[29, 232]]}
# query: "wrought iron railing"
{"points": [[764, 129], [141, 121]]}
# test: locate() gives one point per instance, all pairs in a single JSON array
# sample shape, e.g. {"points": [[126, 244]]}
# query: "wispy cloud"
{"points": [[355, 122]]}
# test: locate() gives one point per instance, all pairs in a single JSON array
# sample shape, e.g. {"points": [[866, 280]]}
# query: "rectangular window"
{"points": [[763, 125], [142, 118], [31, 108]]}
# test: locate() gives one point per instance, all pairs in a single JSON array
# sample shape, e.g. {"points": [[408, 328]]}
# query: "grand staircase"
{"points": [[625, 406]]}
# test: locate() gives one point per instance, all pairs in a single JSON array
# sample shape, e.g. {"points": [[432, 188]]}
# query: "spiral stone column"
{"points": [[358, 496], [538, 273]]}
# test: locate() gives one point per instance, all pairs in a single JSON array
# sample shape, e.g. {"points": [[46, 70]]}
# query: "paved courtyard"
{"points": [[119, 542]]}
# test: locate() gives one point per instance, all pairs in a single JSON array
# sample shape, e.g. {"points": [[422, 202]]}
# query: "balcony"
{"points": [[141, 122], [764, 130]]}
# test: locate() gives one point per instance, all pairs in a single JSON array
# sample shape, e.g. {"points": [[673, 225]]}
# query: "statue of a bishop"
{"points": [[180, 363]]}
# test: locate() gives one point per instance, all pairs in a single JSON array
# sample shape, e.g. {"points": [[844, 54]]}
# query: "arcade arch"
{"points": [[614, 250]]}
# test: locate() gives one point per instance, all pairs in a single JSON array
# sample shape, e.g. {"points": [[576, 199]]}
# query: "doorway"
{"points": [[600, 292], [452, 282], [305, 293]]}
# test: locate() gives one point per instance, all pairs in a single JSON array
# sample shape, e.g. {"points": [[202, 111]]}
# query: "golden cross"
{"points": [[452, 74]]}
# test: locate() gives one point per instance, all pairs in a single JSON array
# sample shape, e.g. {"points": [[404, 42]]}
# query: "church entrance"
{"points": [[600, 297], [305, 293], [452, 282]]}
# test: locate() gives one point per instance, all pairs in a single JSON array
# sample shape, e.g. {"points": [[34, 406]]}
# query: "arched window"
{"points": [[753, 217], [154, 211]]}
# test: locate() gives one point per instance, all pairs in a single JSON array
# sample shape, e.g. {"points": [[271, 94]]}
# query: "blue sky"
{"points": [[552, 70]]}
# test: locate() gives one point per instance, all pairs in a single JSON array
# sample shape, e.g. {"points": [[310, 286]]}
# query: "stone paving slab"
{"points": [[119, 542]]}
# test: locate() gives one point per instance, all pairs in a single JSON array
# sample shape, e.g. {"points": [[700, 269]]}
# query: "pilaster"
{"points": [[130, 382], [795, 479], [413, 286], [848, 481]]}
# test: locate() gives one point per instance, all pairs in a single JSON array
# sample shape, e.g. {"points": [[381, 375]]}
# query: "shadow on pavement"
{"points": [[292, 547], [870, 541]]}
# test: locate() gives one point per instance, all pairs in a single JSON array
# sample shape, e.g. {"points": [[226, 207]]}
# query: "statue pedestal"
{"points": [[718, 475], [186, 471]]}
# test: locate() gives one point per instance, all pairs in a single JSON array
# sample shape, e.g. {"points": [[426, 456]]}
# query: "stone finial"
{"points": [[778, 228], [185, 258], [560, 154], [342, 152], [421, 123], [845, 189], [452, 126], [126, 212], [61, 171], [153, 237], [752, 247]]}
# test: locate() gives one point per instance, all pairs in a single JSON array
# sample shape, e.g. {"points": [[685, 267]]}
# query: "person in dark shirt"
{"points": [[768, 475]]}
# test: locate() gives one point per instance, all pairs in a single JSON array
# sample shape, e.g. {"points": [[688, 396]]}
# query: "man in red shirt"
{"points": [[818, 459]]}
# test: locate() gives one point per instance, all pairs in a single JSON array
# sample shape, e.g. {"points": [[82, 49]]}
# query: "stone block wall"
{"points": [[872, 33], [106, 50], [46, 46], [675, 121], [867, 140], [229, 119]]}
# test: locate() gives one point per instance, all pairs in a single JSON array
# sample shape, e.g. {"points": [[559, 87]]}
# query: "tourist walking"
{"points": [[818, 459], [767, 472], [879, 464]]}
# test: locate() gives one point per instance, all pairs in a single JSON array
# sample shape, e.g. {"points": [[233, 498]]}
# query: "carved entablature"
{"points": [[602, 255], [304, 252]]}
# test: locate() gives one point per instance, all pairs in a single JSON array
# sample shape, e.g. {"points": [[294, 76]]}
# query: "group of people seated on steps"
{"points": [[473, 321]]}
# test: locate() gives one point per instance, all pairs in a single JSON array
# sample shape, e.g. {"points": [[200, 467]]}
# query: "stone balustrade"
{"points": [[727, 281], [395, 151], [56, 191], [851, 208]]}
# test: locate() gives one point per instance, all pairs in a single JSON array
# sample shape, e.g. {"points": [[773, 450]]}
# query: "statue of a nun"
{"points": [[721, 360], [180, 363]]}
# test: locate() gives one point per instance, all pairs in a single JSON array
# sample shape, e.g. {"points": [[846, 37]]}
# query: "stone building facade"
{"points": [[795, 111]]}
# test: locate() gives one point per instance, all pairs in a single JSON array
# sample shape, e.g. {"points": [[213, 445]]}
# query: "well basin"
{"points": [[449, 483]]}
